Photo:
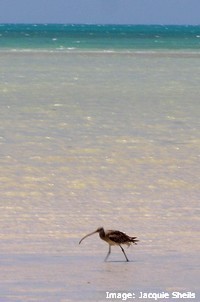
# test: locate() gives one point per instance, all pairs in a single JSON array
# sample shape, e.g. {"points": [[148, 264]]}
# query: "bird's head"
{"points": [[99, 230]]}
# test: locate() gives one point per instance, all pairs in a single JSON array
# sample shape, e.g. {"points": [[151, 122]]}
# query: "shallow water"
{"points": [[98, 139]]}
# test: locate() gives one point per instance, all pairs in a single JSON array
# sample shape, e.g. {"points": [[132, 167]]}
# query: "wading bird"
{"points": [[113, 238]]}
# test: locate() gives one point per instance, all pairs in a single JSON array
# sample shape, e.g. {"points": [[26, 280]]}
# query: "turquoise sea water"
{"points": [[98, 37], [99, 126]]}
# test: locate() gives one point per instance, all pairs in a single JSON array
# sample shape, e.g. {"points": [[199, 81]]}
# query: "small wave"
{"points": [[139, 52]]}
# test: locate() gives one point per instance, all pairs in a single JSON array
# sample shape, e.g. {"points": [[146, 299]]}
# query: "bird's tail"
{"points": [[134, 240]]}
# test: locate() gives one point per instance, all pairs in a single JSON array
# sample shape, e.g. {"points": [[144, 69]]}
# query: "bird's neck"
{"points": [[102, 234]]}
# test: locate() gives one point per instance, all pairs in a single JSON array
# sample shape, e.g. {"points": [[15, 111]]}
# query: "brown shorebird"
{"points": [[113, 238]]}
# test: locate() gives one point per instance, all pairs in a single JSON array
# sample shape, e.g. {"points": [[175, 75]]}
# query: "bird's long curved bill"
{"points": [[87, 236]]}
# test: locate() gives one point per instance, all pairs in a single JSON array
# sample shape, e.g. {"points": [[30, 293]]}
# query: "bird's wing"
{"points": [[117, 236]]}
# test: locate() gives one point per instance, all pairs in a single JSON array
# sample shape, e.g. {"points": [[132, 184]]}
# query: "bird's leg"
{"points": [[109, 251], [124, 253]]}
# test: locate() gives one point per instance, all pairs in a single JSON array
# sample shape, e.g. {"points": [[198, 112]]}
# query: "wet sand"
{"points": [[58, 277]]}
